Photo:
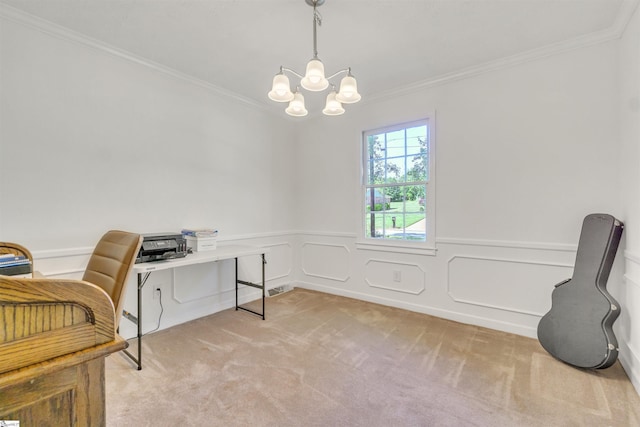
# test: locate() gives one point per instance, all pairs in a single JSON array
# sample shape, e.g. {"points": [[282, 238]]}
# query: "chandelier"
{"points": [[314, 80]]}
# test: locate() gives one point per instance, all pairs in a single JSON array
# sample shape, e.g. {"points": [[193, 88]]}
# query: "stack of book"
{"points": [[201, 239], [15, 265]]}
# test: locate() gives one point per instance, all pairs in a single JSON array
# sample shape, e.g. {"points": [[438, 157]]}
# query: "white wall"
{"points": [[88, 135], [628, 325], [523, 155], [93, 141]]}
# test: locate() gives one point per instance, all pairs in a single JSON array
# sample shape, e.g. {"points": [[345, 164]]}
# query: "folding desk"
{"points": [[143, 270]]}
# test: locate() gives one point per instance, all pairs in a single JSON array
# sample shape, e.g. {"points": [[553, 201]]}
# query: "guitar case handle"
{"points": [[564, 282]]}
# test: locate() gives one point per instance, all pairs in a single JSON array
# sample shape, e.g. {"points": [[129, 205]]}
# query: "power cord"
{"points": [[161, 311]]}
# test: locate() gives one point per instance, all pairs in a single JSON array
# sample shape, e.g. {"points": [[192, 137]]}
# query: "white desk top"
{"points": [[220, 253]]}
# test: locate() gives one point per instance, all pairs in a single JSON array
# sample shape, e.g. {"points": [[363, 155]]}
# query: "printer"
{"points": [[162, 246]]}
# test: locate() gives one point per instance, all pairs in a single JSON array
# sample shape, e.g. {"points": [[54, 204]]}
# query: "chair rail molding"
{"points": [[562, 247]]}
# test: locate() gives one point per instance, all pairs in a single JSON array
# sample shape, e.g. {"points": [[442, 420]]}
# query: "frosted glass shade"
{"points": [[280, 90], [333, 107], [348, 90], [314, 79], [296, 107]]}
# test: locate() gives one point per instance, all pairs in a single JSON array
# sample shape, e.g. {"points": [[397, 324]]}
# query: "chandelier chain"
{"points": [[317, 21]]}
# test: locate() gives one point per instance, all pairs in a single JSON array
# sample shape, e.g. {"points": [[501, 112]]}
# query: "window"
{"points": [[398, 184]]}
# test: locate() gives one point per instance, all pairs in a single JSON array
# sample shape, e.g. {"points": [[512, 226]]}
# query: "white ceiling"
{"points": [[239, 45]]}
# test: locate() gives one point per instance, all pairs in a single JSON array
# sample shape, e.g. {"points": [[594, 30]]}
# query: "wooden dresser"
{"points": [[54, 336]]}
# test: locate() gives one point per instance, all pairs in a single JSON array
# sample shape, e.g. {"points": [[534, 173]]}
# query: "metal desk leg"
{"points": [[254, 285], [141, 281], [236, 261], [264, 261]]}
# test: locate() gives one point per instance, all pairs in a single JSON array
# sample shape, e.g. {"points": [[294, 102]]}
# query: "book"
{"points": [[199, 243], [13, 270], [200, 232], [14, 260], [8, 257]]}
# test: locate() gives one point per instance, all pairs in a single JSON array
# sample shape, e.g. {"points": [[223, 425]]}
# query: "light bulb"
{"points": [[296, 107], [348, 90], [280, 91], [333, 107], [314, 79]]}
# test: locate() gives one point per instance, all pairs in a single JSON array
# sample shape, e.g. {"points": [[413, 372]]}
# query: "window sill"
{"points": [[404, 248]]}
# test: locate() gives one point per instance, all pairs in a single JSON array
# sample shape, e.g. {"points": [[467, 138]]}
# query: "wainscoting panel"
{"points": [[627, 327], [62, 263], [519, 286], [327, 261], [199, 281], [395, 276], [279, 261]]}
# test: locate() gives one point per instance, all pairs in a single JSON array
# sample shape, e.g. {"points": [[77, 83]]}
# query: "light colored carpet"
{"points": [[325, 360]]}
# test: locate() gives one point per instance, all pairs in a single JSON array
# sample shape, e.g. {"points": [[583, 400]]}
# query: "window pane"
{"points": [[405, 218], [413, 146], [379, 171], [397, 213], [376, 147], [396, 170], [418, 164], [374, 224], [396, 144], [376, 199], [413, 135], [376, 171], [395, 217], [395, 194], [417, 195]]}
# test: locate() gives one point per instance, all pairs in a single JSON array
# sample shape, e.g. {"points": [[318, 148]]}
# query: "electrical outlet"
{"points": [[156, 292], [396, 276]]}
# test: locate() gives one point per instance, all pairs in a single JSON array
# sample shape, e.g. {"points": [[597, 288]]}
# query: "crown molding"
{"points": [[627, 9], [23, 18], [625, 13]]}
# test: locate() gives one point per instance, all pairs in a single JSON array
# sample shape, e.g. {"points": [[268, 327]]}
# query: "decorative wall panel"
{"points": [[279, 261], [395, 276], [519, 286], [629, 299], [200, 281], [327, 261]]}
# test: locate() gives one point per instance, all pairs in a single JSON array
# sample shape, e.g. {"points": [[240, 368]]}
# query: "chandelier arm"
{"points": [[346, 70], [291, 71]]}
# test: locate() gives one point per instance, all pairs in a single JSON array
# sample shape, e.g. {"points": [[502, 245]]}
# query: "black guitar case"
{"points": [[579, 327]]}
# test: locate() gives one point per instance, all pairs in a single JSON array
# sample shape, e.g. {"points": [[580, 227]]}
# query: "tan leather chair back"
{"points": [[111, 263]]}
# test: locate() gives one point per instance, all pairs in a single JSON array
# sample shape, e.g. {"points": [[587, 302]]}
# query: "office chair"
{"points": [[110, 264], [16, 249]]}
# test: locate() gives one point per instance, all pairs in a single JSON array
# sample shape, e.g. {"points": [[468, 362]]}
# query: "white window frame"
{"points": [[427, 247]]}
